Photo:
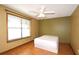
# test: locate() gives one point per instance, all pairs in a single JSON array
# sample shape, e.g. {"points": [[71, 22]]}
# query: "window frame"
{"points": [[17, 15]]}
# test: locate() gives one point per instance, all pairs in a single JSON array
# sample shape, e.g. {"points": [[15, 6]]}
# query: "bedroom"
{"points": [[62, 21]]}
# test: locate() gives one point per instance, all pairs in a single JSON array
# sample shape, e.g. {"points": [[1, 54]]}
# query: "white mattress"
{"points": [[47, 42]]}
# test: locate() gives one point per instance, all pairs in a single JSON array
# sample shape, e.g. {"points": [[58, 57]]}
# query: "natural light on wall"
{"points": [[18, 27]]}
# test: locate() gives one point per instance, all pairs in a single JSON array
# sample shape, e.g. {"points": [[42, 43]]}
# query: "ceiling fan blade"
{"points": [[49, 12]]}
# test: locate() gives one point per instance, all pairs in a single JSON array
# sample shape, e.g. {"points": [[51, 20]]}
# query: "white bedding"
{"points": [[47, 42]]}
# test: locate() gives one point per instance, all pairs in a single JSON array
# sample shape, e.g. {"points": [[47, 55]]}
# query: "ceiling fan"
{"points": [[42, 12]]}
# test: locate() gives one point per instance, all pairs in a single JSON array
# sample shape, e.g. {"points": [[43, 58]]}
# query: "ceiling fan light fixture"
{"points": [[41, 15]]}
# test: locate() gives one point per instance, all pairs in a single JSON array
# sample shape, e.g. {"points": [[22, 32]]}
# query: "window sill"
{"points": [[18, 39]]}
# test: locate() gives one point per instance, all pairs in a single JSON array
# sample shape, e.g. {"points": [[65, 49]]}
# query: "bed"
{"points": [[47, 42]]}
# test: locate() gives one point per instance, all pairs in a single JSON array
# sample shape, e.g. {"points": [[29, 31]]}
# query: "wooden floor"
{"points": [[29, 49]]}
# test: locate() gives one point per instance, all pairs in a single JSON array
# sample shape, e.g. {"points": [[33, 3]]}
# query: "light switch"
{"points": [[78, 50]]}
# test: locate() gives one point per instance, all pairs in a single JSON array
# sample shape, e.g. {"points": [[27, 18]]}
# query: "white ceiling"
{"points": [[61, 10]]}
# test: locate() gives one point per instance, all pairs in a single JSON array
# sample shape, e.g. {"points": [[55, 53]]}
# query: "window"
{"points": [[25, 28], [17, 27]]}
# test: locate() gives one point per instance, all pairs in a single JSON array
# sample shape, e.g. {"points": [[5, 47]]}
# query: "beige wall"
{"points": [[57, 26], [75, 30], [4, 45]]}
